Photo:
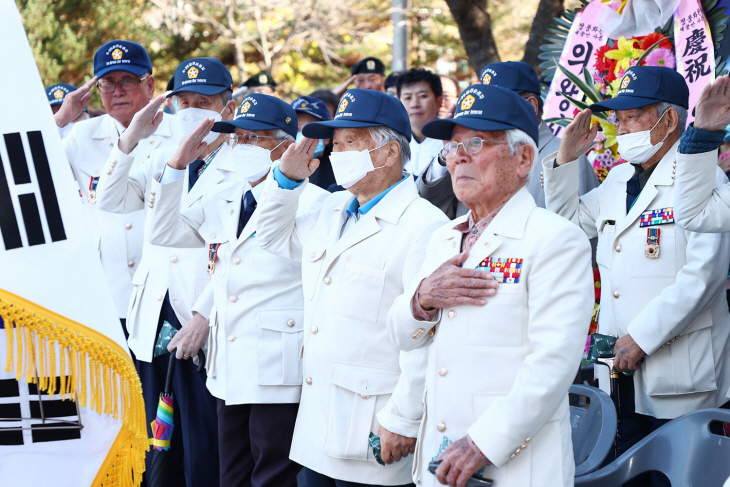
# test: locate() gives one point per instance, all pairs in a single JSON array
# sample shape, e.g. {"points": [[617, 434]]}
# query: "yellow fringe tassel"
{"points": [[101, 375]]}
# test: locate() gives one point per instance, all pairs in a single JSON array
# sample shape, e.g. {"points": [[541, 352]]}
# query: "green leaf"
{"points": [[591, 93], [708, 5], [551, 47], [562, 122], [549, 74], [648, 50], [555, 38], [562, 22], [588, 78], [580, 104]]}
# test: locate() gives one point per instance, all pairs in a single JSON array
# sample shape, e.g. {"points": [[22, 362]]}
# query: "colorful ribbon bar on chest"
{"points": [[662, 216], [212, 253], [504, 270], [92, 189]]}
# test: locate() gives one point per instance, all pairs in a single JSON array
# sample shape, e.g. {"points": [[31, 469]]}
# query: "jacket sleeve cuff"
{"points": [[398, 425], [283, 181], [695, 141]]}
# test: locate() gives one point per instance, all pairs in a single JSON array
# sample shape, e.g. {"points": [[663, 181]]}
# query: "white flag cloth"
{"points": [[62, 349]]}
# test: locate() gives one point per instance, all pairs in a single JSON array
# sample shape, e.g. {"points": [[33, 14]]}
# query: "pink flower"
{"points": [[661, 57]]}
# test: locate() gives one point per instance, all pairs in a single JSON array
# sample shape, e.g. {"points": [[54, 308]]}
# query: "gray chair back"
{"points": [[684, 449], [593, 428]]}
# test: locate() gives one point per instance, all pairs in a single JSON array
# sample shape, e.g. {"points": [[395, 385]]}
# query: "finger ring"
{"points": [[186, 356]]}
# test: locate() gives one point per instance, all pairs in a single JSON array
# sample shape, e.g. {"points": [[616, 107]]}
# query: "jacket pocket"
{"points": [[505, 328], [355, 392], [361, 291], [279, 341], [662, 266], [138, 282], [685, 366]]}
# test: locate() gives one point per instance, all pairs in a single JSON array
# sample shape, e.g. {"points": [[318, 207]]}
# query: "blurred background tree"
{"points": [[303, 44]]}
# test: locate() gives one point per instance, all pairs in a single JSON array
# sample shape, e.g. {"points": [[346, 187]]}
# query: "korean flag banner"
{"points": [[70, 398]]}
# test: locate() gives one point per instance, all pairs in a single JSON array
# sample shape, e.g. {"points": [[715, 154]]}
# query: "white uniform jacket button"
{"points": [[618, 248], [231, 338], [441, 427], [212, 236], [127, 226], [512, 457], [130, 263], [308, 380], [233, 299], [616, 294], [290, 323], [364, 396], [528, 440], [313, 255], [328, 280], [418, 333], [314, 330], [174, 259], [452, 313], [237, 260], [159, 298], [443, 372]]}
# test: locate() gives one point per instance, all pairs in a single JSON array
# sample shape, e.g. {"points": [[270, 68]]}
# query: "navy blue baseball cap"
{"points": [[122, 56], [646, 85], [311, 106], [261, 112], [57, 93], [513, 75], [363, 108], [487, 107], [204, 75]]}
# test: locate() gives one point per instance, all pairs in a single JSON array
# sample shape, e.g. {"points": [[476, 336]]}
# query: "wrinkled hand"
{"points": [[192, 146], [712, 111], [143, 124], [577, 138], [190, 338], [627, 354], [393, 447], [297, 163], [459, 462], [451, 285], [450, 113], [342, 88], [74, 103]]}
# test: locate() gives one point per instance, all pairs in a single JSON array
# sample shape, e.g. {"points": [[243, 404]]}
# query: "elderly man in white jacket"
{"points": [[502, 304], [357, 252], [662, 287], [256, 321]]}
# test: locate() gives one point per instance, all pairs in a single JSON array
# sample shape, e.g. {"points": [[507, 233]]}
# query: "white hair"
{"points": [[281, 135], [661, 109], [382, 135], [516, 138]]}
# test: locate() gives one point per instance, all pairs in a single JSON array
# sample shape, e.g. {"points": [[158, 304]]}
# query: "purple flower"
{"points": [[661, 57]]}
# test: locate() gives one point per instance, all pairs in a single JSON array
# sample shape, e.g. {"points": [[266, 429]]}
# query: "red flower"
{"points": [[647, 41], [610, 77], [602, 62], [575, 112]]}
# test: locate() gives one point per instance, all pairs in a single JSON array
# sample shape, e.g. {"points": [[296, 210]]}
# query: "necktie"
{"points": [[193, 169], [632, 191], [248, 205]]}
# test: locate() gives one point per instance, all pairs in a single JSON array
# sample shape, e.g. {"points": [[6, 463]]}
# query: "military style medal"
{"points": [[212, 253], [506, 271], [92, 189], [651, 250]]}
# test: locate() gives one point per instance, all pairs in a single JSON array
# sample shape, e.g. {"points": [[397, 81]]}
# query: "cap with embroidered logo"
{"points": [[487, 107], [368, 65], [204, 75], [122, 56], [363, 108], [513, 75], [646, 85], [261, 79], [311, 106], [57, 93], [261, 112]]}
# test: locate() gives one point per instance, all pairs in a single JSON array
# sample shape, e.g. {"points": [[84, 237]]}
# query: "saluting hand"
{"points": [[74, 104], [143, 124], [712, 111], [192, 146], [577, 138], [452, 285], [297, 163]]}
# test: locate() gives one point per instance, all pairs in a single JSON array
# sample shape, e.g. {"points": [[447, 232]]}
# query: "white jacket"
{"points": [[256, 322], [182, 271], [501, 372], [351, 368], [701, 203], [119, 237], [674, 307]]}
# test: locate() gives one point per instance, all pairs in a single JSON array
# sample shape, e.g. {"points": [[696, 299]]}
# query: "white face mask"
{"points": [[251, 162], [351, 166], [636, 147], [191, 118]]}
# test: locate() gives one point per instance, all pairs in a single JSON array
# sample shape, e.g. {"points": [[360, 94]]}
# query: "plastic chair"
{"points": [[593, 428], [684, 450]]}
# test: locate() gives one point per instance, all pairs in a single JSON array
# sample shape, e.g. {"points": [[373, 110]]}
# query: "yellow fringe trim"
{"points": [[101, 376]]}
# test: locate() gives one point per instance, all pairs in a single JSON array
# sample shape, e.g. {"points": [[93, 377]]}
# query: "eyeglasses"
{"points": [[248, 139], [471, 146], [127, 84]]}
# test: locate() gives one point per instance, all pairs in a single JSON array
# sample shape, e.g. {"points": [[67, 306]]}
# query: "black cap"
{"points": [[261, 112], [646, 85], [513, 75], [368, 65], [363, 108], [204, 75], [487, 107], [261, 79]]}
